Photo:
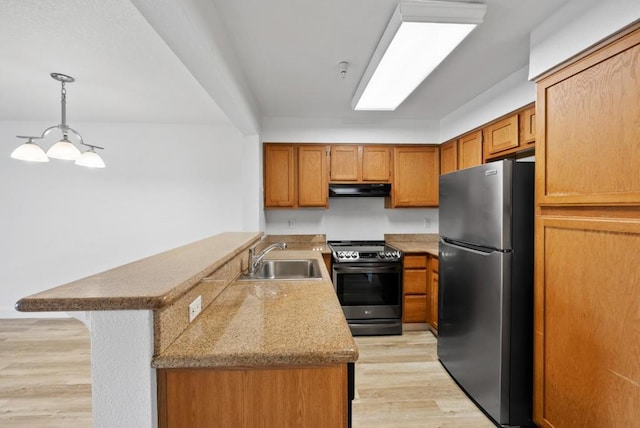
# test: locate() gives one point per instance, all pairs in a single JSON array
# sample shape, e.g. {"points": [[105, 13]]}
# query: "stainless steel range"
{"points": [[367, 277]]}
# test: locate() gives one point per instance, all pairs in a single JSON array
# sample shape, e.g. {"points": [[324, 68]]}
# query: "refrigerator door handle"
{"points": [[471, 248]]}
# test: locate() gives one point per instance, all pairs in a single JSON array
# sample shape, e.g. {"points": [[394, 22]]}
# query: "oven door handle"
{"points": [[366, 269]]}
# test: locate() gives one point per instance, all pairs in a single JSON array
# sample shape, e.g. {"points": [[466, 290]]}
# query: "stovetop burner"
{"points": [[363, 251]]}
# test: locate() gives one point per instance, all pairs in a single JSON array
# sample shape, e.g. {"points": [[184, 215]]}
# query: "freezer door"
{"points": [[473, 324], [475, 205]]}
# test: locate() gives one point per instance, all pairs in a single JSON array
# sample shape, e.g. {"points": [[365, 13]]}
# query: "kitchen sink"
{"points": [[285, 269]]}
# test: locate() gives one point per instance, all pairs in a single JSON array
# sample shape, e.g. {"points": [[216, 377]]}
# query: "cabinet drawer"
{"points": [[415, 308], [415, 281], [434, 264], [414, 261]]}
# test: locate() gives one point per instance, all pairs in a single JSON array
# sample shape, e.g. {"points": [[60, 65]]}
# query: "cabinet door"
{"points": [[528, 125], [313, 185], [589, 129], [346, 163], [415, 176], [414, 308], [414, 281], [470, 150], [587, 321], [433, 297], [449, 157], [376, 163], [501, 136], [279, 175]]}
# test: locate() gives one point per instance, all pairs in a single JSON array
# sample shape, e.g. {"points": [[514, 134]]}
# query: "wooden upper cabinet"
{"points": [[376, 164], [313, 185], [470, 150], [501, 136], [358, 164], [449, 157], [528, 126], [295, 175], [346, 163], [279, 175], [416, 172], [589, 129]]}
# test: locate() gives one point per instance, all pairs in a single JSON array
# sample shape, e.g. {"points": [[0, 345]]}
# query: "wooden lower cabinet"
{"points": [[433, 293], [414, 288], [587, 322], [420, 289], [314, 397]]}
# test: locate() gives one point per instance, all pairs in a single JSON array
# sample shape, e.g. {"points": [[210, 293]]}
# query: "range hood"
{"points": [[359, 190]]}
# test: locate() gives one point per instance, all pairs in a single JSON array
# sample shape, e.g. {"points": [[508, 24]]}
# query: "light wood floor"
{"points": [[45, 380], [400, 383]]}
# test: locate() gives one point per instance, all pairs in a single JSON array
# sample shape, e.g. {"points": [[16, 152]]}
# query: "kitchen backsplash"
{"points": [[352, 218]]}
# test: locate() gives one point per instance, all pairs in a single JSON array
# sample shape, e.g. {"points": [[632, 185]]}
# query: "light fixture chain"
{"points": [[63, 102]]}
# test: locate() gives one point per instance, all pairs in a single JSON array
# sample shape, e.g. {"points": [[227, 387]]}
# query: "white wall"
{"points": [[510, 94], [164, 186], [334, 130], [576, 26], [352, 218]]}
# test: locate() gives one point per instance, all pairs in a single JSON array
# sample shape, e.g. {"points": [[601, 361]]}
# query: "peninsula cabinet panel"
{"points": [[376, 164], [346, 163], [501, 136], [313, 189], [449, 157], [314, 397], [416, 171], [587, 322], [588, 132], [279, 175], [470, 150]]}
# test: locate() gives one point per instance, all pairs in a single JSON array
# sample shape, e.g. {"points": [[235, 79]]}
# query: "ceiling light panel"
{"points": [[418, 37]]}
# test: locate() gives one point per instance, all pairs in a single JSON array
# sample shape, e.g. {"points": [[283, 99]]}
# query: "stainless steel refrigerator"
{"points": [[485, 318]]}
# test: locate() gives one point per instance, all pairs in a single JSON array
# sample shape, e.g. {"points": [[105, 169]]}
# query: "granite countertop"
{"points": [[267, 323], [416, 247], [414, 243], [317, 242], [149, 283]]}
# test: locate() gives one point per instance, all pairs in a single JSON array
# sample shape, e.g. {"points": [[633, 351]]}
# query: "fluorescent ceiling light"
{"points": [[418, 37]]}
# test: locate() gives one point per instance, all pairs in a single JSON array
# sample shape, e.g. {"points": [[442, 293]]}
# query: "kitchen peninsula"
{"points": [[290, 335]]}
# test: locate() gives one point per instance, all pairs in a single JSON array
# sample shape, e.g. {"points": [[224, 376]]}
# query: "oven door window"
{"points": [[361, 286]]}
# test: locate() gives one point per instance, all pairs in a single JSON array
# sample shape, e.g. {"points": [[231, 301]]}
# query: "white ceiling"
{"points": [[288, 52], [124, 71]]}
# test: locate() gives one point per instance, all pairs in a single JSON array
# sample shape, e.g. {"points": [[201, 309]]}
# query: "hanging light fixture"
{"points": [[63, 149], [419, 35]]}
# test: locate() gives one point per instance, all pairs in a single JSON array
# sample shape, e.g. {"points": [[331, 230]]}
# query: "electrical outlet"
{"points": [[291, 223], [427, 222], [195, 307]]}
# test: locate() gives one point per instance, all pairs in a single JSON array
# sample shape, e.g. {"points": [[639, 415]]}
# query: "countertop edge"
{"points": [[40, 303]]}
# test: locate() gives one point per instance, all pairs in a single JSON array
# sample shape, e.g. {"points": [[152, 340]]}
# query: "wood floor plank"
{"points": [[401, 384], [45, 380], [45, 373]]}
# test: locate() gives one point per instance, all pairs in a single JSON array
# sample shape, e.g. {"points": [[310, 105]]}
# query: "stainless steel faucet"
{"points": [[254, 261]]}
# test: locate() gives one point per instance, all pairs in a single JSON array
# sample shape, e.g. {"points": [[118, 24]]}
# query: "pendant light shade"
{"points": [[90, 159], [64, 150], [30, 152]]}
